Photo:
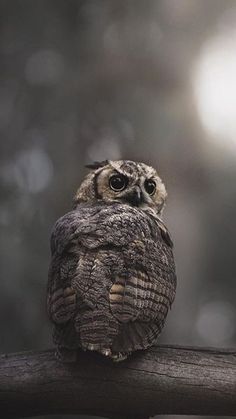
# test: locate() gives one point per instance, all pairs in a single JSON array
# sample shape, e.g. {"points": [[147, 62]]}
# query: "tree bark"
{"points": [[161, 380]]}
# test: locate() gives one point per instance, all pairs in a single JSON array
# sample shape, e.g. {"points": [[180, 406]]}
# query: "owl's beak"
{"points": [[135, 196]]}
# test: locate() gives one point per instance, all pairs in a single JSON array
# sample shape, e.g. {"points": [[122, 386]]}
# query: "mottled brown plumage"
{"points": [[112, 275]]}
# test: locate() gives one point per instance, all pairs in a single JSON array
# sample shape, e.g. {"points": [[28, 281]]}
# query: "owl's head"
{"points": [[123, 181]]}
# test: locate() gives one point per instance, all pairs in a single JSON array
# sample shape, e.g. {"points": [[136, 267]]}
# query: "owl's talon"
{"points": [[106, 352], [119, 357], [91, 347]]}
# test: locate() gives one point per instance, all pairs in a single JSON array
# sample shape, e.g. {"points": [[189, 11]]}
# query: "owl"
{"points": [[112, 275]]}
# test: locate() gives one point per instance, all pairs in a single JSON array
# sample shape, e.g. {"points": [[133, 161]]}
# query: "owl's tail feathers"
{"points": [[136, 335], [96, 330]]}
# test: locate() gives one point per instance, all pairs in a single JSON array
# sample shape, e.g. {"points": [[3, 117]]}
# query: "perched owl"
{"points": [[112, 275]]}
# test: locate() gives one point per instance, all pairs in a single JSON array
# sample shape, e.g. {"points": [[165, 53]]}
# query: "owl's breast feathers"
{"points": [[117, 262]]}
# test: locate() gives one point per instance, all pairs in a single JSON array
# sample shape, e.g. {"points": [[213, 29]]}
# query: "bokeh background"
{"points": [[151, 80]]}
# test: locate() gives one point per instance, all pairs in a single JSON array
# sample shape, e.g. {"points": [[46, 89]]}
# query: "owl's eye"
{"points": [[150, 186], [118, 182]]}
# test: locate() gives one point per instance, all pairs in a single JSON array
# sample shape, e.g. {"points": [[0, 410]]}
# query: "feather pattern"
{"points": [[112, 278]]}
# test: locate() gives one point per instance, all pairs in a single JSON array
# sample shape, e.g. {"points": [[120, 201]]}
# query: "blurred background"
{"points": [[153, 81]]}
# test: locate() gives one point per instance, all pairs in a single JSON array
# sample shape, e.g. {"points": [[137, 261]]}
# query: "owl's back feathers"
{"points": [[111, 280]]}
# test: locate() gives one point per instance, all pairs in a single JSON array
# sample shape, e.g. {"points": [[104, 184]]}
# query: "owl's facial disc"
{"points": [[123, 181], [139, 189]]}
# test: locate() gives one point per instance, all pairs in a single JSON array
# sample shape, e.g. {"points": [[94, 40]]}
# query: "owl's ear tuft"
{"points": [[97, 164]]}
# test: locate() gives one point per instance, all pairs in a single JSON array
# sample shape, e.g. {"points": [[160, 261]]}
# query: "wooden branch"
{"points": [[161, 380]]}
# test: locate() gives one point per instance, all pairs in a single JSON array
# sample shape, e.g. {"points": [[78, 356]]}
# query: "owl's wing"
{"points": [[74, 240], [79, 278], [61, 298], [141, 297], [146, 289]]}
